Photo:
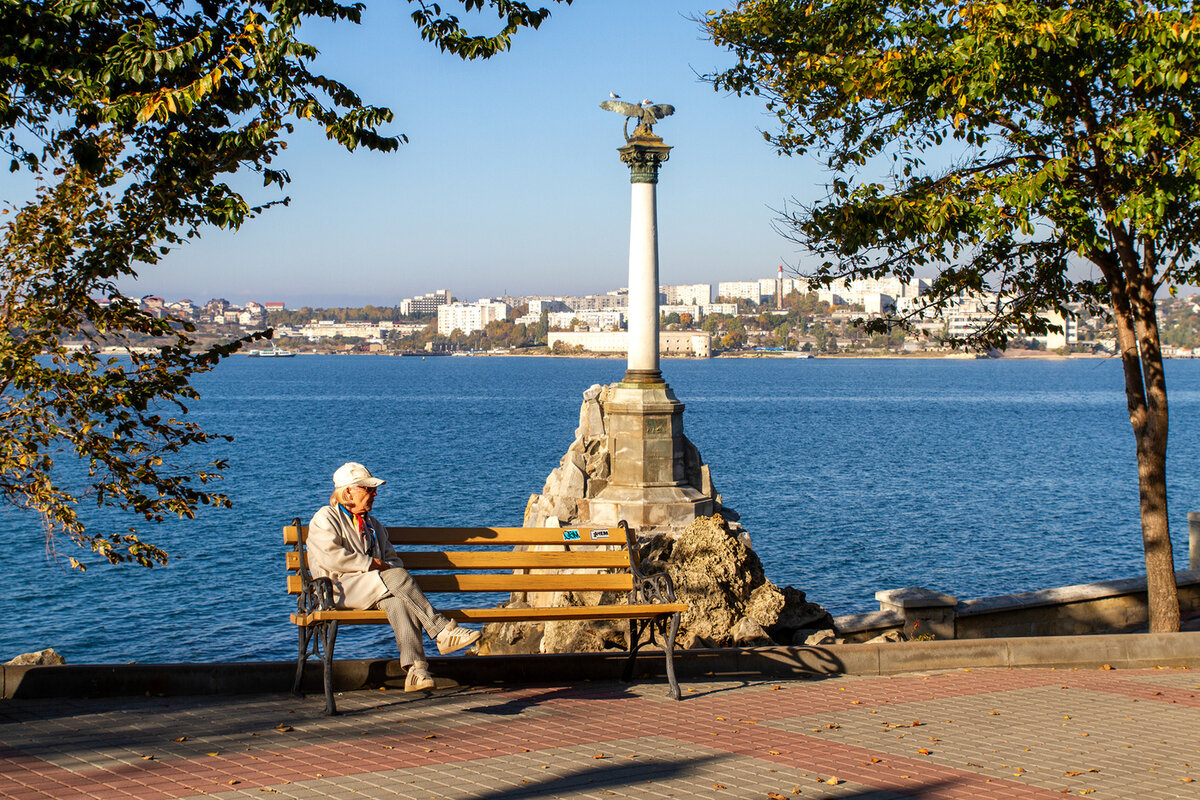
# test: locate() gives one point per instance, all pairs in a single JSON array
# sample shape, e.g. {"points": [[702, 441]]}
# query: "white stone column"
{"points": [[643, 152], [643, 280]]}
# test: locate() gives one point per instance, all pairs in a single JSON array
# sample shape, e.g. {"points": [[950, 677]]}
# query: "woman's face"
{"points": [[359, 499]]}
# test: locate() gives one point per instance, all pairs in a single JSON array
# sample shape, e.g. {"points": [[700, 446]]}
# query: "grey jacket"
{"points": [[339, 552]]}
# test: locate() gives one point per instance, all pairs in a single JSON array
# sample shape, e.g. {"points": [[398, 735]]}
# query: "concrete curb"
{"points": [[1120, 651]]}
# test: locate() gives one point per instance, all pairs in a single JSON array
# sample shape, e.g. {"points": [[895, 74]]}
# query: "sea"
{"points": [[971, 477]]}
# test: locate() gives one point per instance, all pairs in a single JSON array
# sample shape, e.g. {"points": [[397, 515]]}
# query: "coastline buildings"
{"points": [[469, 317], [829, 312]]}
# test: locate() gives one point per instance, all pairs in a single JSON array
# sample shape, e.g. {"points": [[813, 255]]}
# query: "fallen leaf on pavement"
{"points": [[832, 781], [925, 752], [180, 739], [719, 786], [599, 755]]}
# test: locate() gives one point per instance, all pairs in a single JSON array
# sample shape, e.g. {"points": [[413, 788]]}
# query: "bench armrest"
{"points": [[655, 588], [316, 594]]}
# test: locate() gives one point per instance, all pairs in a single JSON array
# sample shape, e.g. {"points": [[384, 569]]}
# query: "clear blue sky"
{"points": [[511, 180]]}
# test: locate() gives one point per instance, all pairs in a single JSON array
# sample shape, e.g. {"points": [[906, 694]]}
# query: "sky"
{"points": [[510, 182]]}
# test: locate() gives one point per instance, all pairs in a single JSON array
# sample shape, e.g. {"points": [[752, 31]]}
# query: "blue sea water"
{"points": [[971, 477]]}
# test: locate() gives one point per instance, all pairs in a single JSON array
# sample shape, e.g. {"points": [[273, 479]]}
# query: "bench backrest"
{"points": [[491, 565]]}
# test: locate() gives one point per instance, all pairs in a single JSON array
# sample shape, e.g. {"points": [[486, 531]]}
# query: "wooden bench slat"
{"points": [[497, 536], [481, 615], [508, 582], [505, 559]]}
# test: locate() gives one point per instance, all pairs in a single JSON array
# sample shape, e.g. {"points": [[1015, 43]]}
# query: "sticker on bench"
{"points": [[571, 536], [600, 533]]}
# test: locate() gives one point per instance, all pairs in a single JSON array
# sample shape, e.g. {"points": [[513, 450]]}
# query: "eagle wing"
{"points": [[662, 110], [621, 107]]}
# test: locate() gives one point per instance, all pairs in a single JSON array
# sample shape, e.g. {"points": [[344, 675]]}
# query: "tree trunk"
{"points": [[1151, 437]]}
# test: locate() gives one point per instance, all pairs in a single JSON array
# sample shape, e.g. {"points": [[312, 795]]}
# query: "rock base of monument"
{"points": [[731, 603], [630, 461]]}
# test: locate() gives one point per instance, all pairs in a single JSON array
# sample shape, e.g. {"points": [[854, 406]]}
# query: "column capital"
{"points": [[643, 152]]}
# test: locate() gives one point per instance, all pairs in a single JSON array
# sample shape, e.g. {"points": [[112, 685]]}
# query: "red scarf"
{"points": [[360, 525]]}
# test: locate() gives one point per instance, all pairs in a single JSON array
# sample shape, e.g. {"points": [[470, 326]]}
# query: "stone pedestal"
{"points": [[648, 483]]}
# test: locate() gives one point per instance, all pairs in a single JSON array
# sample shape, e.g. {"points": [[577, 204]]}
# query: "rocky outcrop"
{"points": [[42, 658], [730, 600], [731, 603]]}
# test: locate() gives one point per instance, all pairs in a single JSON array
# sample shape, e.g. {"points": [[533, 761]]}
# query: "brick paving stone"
{"points": [[750, 737]]}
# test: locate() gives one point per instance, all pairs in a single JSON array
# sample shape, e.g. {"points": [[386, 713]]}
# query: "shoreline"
{"points": [[790, 355]]}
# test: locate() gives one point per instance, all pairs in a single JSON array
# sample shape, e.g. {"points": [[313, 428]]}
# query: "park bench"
{"points": [[456, 560]]}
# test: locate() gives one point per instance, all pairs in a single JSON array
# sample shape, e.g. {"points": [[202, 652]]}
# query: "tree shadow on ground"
{"points": [[607, 777]]}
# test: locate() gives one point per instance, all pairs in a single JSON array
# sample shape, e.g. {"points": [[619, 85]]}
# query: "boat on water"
{"points": [[274, 352]]}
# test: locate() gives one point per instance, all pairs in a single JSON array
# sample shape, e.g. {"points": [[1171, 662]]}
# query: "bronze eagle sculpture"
{"points": [[646, 114]]}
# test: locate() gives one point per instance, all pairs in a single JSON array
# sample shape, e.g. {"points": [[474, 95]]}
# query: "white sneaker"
{"points": [[418, 679], [454, 638]]}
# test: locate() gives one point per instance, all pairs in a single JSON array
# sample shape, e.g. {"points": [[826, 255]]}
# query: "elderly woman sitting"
{"points": [[351, 548]]}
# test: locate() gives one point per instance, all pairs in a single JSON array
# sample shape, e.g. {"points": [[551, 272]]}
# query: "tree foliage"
{"points": [[134, 116], [1043, 150]]}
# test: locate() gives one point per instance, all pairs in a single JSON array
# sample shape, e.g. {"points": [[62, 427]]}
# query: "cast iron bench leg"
{"points": [[329, 636], [305, 639], [669, 649], [635, 642]]}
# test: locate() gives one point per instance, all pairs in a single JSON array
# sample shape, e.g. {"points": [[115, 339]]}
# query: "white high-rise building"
{"points": [[740, 290], [692, 294], [426, 303], [469, 317]]}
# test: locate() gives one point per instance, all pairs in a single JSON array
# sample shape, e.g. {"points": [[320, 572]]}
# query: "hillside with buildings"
{"points": [[698, 320]]}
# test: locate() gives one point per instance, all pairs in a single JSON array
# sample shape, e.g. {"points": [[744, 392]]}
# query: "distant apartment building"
{"points": [[618, 298], [877, 295], [469, 317], [327, 329], [608, 320], [739, 290], [697, 344], [425, 304], [692, 294], [269, 307]]}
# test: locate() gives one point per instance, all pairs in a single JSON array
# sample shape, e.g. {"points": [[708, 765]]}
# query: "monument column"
{"points": [[643, 153], [648, 484]]}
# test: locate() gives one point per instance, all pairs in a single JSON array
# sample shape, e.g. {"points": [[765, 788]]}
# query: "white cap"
{"points": [[354, 474]]}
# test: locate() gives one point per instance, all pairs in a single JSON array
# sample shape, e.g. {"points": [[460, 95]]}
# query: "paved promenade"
{"points": [[983, 733]]}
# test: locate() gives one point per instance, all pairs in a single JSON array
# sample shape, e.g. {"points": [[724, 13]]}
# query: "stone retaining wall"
{"points": [[1105, 607]]}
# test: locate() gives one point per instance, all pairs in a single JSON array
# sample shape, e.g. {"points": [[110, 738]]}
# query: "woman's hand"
{"points": [[379, 564]]}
